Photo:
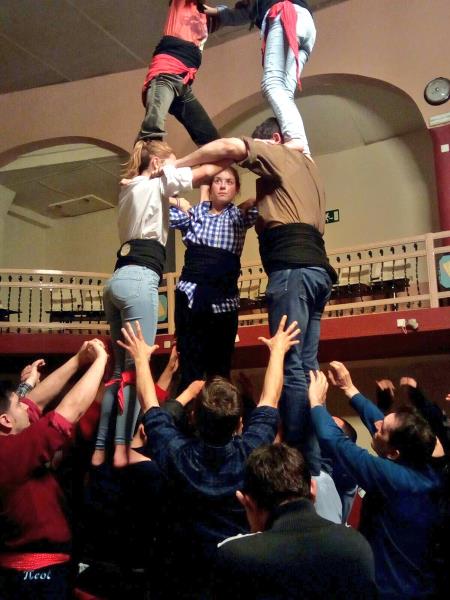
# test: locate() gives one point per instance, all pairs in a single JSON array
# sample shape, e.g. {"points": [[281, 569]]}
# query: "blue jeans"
{"points": [[301, 294], [130, 295], [279, 80]]}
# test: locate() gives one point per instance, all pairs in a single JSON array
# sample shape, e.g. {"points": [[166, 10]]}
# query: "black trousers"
{"points": [[205, 341]]}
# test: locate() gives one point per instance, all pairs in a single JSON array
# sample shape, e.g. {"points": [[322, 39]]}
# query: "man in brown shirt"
{"points": [[291, 204]]}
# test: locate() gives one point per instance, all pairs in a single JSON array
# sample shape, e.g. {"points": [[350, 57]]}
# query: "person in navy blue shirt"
{"points": [[205, 472], [400, 512]]}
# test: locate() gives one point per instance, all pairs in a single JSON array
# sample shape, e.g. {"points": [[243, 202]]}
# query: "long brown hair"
{"points": [[143, 152]]}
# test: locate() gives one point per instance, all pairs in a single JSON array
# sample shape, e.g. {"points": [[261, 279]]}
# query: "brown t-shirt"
{"points": [[289, 189]]}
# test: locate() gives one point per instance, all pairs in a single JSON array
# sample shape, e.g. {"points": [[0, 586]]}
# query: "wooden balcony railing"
{"points": [[408, 273]]}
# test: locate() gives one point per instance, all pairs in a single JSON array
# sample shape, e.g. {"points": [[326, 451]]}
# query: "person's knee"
{"points": [[272, 86]]}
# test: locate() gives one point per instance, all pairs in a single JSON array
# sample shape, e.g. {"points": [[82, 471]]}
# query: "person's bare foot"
{"points": [[98, 458], [121, 456]]}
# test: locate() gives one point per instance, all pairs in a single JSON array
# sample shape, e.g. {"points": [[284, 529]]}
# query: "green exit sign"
{"points": [[332, 216]]}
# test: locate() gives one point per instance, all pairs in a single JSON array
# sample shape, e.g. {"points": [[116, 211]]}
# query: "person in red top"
{"points": [[34, 532], [175, 62]]}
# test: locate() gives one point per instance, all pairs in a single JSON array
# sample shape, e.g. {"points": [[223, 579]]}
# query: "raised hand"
{"points": [[30, 374], [283, 339], [318, 387], [210, 11], [386, 385], [180, 203], [340, 377], [86, 354], [134, 342], [408, 381], [96, 349]]}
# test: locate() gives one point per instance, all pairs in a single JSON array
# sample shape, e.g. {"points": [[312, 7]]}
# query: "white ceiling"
{"points": [[45, 42], [61, 173]]}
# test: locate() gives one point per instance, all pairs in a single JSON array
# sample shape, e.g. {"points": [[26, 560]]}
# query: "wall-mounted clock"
{"points": [[437, 91]]}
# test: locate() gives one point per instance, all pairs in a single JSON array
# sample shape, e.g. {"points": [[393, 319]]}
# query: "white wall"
{"points": [[383, 191]]}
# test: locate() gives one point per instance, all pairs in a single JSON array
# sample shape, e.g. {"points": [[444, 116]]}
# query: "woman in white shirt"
{"points": [[132, 292]]}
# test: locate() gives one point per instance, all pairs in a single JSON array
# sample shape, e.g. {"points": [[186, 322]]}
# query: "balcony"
{"points": [[381, 287]]}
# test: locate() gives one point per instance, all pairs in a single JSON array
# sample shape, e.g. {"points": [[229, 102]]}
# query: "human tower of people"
{"points": [[209, 465]]}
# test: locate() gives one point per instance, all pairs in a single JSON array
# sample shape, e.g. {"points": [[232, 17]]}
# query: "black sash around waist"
{"points": [[144, 253], [214, 270], [294, 245], [187, 52]]}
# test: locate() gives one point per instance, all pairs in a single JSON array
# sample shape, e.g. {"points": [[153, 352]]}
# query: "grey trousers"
{"points": [[168, 94]]}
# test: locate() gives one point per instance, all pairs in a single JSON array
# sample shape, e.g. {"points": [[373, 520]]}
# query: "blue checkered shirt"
{"points": [[225, 230]]}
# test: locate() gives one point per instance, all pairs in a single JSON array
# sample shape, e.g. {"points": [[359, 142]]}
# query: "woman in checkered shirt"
{"points": [[207, 297]]}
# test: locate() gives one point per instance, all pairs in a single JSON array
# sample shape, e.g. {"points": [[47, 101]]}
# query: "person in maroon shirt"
{"points": [[34, 532]]}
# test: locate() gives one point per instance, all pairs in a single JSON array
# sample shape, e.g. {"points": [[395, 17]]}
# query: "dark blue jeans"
{"points": [[301, 294]]}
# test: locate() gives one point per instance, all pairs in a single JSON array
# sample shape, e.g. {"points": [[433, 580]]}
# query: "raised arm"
{"points": [[141, 352], [191, 392], [74, 404], [30, 377], [165, 379], [175, 179], [203, 174], [231, 17], [340, 377], [365, 468], [278, 345], [51, 386]]}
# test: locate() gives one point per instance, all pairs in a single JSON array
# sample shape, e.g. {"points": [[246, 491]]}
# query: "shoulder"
{"points": [[264, 413], [138, 185], [237, 547]]}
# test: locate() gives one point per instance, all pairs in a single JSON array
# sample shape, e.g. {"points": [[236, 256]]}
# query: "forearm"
{"points": [[273, 380], [144, 383], [224, 149], [233, 17], [202, 175], [73, 406], [165, 378], [350, 391], [367, 410], [52, 385]]}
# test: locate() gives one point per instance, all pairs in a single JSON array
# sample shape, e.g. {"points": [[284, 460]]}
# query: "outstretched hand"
{"points": [[30, 374], [340, 377], [91, 350], [210, 11], [134, 342], [318, 387], [386, 385], [283, 339], [96, 350], [408, 381]]}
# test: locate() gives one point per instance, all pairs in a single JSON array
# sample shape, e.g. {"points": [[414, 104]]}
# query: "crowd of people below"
{"points": [[211, 502]]}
